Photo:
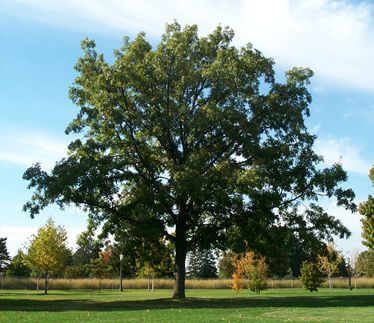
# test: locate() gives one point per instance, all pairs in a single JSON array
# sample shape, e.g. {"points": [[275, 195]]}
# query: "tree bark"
{"points": [[180, 261], [46, 283]]}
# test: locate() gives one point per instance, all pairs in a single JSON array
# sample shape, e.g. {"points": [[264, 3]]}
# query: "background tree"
{"points": [[183, 131], [226, 267], [4, 255], [48, 250], [310, 276], [147, 271], [202, 264], [88, 246], [254, 268], [142, 246], [100, 266], [366, 209], [302, 237], [328, 264], [365, 263], [88, 249], [19, 266]]}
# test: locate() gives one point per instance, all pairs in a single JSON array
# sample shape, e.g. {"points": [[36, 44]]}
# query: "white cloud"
{"points": [[343, 150], [24, 149], [334, 38]]}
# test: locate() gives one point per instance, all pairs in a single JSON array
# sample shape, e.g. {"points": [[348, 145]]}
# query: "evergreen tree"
{"points": [[88, 249], [88, 246], [4, 255], [202, 264], [310, 276]]}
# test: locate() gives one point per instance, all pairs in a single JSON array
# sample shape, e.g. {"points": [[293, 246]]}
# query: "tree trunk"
{"points": [[180, 261], [46, 283]]}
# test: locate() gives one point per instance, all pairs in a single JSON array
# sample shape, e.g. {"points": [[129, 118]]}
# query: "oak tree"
{"points": [[193, 135]]}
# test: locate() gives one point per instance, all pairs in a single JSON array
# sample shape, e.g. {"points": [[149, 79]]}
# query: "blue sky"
{"points": [[40, 43]]}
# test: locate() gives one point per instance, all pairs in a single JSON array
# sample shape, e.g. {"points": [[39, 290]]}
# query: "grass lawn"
{"points": [[337, 305]]}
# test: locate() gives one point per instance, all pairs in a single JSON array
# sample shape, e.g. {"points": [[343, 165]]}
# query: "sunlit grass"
{"points": [[201, 305]]}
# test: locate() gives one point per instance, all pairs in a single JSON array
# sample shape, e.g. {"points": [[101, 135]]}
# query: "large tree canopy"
{"points": [[193, 136]]}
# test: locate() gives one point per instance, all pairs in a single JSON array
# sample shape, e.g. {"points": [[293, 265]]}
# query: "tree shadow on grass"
{"points": [[61, 305]]}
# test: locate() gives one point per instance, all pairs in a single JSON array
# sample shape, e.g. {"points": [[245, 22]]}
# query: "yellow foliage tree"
{"points": [[254, 268], [235, 282], [329, 263], [48, 250]]}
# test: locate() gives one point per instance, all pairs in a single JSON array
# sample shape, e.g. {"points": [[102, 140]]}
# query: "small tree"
{"points": [[310, 277], [254, 268], [48, 250], [353, 267], [100, 266], [4, 255], [148, 271], [329, 263], [235, 282]]}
